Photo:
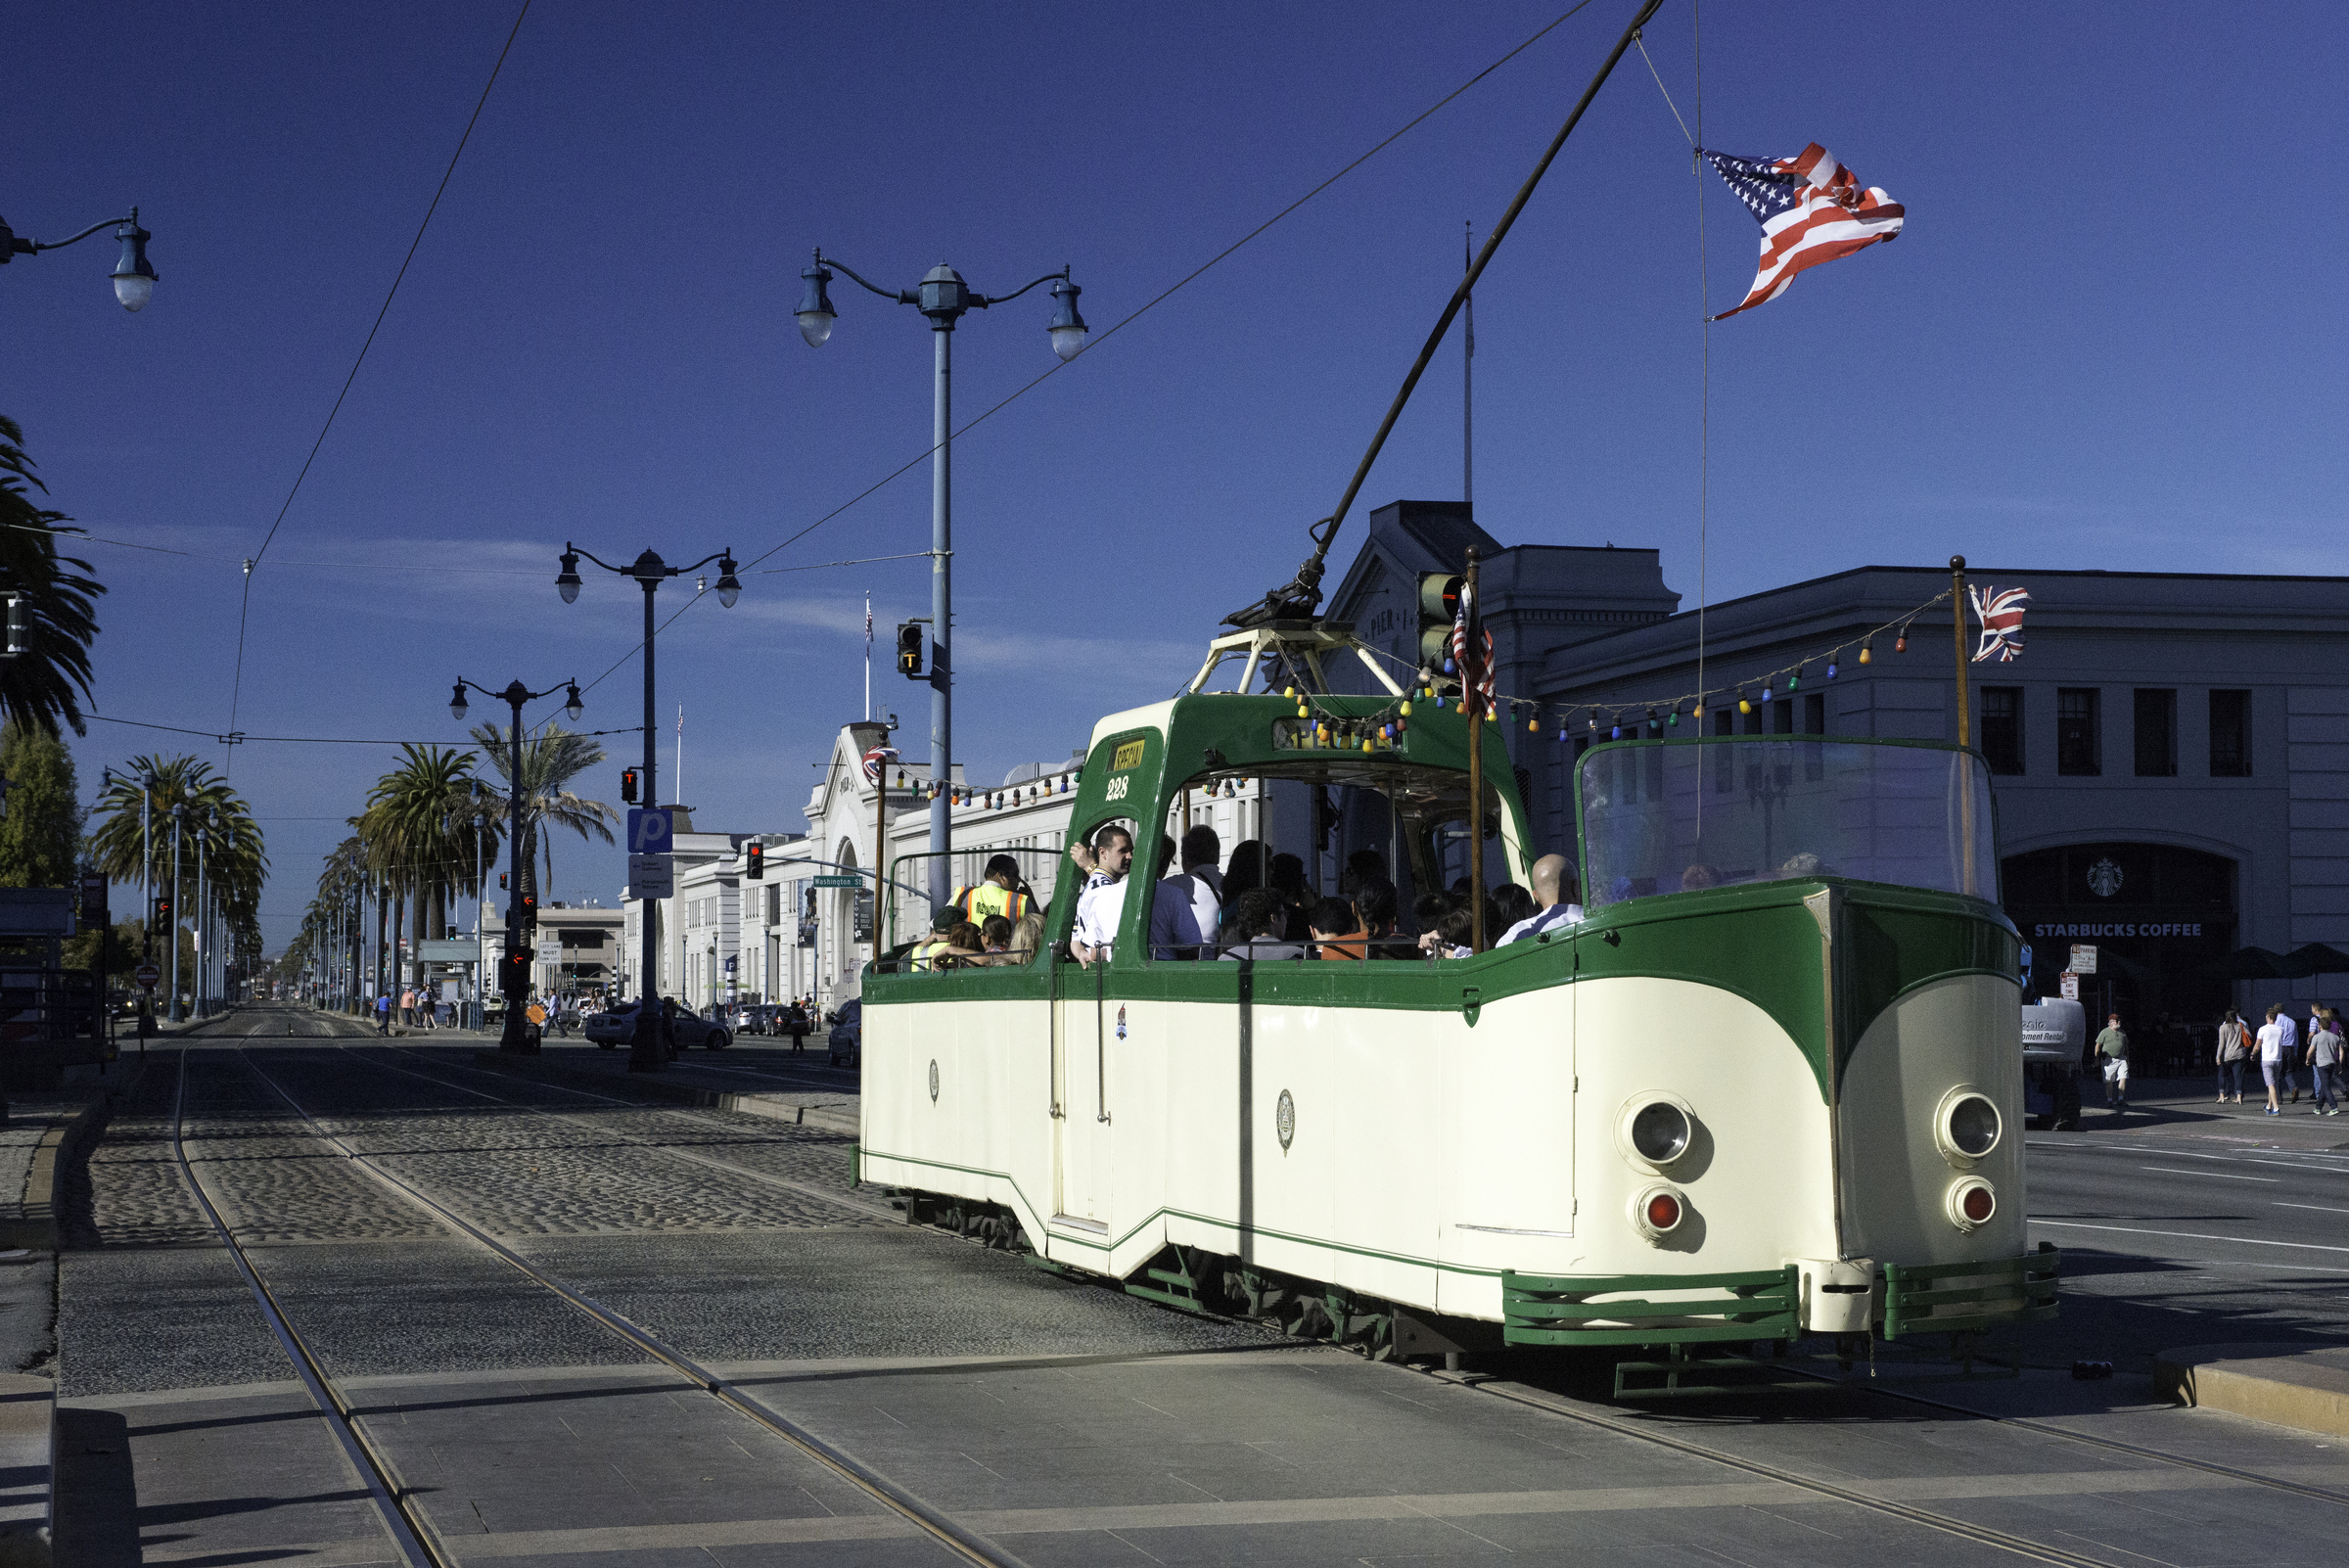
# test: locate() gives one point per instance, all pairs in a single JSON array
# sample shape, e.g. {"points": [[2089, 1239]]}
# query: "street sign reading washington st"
{"points": [[839, 882]]}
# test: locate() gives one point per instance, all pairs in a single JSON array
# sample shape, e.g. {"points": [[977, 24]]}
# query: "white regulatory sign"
{"points": [[2071, 988], [2084, 960], [550, 950], [650, 876]]}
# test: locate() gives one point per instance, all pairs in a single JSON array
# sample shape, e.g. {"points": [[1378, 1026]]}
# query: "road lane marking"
{"points": [[2221, 1174], [2189, 1236], [2320, 1208]]}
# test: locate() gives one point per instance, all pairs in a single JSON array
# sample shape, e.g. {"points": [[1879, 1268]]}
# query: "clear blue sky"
{"points": [[2110, 335]]}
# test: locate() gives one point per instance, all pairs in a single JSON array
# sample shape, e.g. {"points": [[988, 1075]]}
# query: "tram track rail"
{"points": [[2040, 1428], [403, 1517], [966, 1544]]}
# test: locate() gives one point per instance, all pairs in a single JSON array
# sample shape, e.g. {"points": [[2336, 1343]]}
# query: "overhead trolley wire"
{"points": [[236, 689], [1128, 320]]}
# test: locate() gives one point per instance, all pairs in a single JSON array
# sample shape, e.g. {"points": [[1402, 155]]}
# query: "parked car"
{"points": [[616, 1026], [848, 1033]]}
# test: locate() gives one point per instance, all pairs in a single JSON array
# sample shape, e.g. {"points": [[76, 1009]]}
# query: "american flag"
{"points": [[879, 757], [1811, 208], [2000, 612], [1472, 655]]}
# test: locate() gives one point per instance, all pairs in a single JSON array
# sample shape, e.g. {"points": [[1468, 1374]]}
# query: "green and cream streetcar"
{"points": [[1768, 1086]]}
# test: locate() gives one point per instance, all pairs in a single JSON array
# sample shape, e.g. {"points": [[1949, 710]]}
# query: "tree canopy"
{"points": [[47, 684]]}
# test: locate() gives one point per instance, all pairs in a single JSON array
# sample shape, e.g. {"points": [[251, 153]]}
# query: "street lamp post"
{"points": [[943, 297], [515, 977], [204, 947], [134, 275], [179, 816], [646, 1052]]}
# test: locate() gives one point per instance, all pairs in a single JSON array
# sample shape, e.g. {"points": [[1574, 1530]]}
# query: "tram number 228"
{"points": [[1117, 789]]}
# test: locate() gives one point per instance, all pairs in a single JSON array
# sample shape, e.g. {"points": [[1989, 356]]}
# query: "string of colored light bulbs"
{"points": [[1380, 729]]}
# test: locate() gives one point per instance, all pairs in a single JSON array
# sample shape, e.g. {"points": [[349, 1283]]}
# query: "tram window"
{"points": [[1725, 758], [1915, 816]]}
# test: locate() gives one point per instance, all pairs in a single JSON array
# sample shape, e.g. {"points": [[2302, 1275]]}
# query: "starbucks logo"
{"points": [[1284, 1120], [2104, 878], [934, 1080]]}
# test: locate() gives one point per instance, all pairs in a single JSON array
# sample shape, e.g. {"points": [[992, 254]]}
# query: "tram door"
{"points": [[1083, 1034]]}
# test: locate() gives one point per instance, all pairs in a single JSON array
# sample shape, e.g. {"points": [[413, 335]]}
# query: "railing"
{"points": [[1556, 1309], [1964, 1297]]}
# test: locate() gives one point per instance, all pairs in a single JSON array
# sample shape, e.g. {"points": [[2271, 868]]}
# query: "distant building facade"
{"points": [[2169, 757]]}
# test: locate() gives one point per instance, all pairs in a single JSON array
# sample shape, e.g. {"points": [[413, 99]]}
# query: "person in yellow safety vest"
{"points": [[1004, 892]]}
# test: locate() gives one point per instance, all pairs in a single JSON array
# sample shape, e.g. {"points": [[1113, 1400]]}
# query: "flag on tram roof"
{"points": [[1472, 654], [2000, 612], [1811, 208]]}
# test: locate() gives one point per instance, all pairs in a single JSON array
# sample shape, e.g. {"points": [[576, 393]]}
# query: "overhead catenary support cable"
{"points": [[1298, 599]]}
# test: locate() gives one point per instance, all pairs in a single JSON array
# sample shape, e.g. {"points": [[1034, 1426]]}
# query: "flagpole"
{"points": [[1467, 379], [679, 786], [1471, 694], [1966, 794], [868, 655]]}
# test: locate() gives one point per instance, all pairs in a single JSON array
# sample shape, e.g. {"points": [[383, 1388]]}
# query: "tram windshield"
{"points": [[1673, 816]]}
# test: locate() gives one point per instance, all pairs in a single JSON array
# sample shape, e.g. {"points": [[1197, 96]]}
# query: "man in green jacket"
{"points": [[2113, 1046]]}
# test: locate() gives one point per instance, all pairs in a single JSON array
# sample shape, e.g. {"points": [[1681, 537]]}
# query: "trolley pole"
{"points": [[1471, 691]]}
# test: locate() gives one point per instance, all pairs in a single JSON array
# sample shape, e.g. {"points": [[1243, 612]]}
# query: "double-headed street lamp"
{"points": [[515, 974], [134, 275], [943, 297], [646, 1051]]}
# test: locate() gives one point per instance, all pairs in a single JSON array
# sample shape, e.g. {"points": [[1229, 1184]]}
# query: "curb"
{"points": [[830, 1119], [2295, 1385], [34, 1223], [27, 1469]]}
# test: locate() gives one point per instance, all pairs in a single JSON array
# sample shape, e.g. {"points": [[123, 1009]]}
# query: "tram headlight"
{"points": [[1966, 1125], [1969, 1202], [1654, 1130], [1657, 1212]]}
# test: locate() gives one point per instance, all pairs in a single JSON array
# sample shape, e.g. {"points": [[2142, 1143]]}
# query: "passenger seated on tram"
{"points": [[963, 948], [923, 957], [1286, 877], [1510, 904], [1698, 876], [1557, 893], [1026, 938], [1337, 934], [994, 934], [1255, 921], [1362, 866], [1175, 929], [1194, 932], [1374, 907], [1805, 864], [1103, 900]]}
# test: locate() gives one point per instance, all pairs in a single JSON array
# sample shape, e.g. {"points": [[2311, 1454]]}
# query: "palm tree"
{"points": [[548, 762], [50, 680], [422, 823], [234, 863]]}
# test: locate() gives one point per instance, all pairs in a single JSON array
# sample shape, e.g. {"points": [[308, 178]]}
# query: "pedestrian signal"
{"points": [[753, 860], [1439, 607], [909, 649], [628, 785]]}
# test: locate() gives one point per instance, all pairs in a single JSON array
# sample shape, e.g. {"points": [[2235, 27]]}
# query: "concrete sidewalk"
{"points": [[2188, 1109], [2290, 1385]]}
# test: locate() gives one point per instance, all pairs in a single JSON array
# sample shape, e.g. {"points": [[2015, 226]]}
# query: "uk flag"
{"points": [[1811, 208], [2000, 612]]}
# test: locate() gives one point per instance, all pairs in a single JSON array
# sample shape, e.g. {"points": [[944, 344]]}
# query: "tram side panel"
{"points": [[986, 1133], [1507, 1134]]}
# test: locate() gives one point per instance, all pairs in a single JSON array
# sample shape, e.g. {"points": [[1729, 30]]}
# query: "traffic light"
{"points": [[909, 649], [753, 860], [530, 910], [162, 912], [628, 785], [1439, 605], [501, 882]]}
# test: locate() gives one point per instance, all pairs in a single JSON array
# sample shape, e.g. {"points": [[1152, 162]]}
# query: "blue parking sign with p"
{"points": [[648, 831]]}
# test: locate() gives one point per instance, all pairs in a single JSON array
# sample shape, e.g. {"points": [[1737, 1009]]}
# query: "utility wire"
{"points": [[236, 689], [1127, 321], [235, 738]]}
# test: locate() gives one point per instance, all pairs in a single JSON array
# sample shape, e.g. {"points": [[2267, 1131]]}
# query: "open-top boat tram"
{"points": [[1768, 1086]]}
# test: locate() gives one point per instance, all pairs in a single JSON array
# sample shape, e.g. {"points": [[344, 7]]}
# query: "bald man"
{"points": [[1553, 889]]}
